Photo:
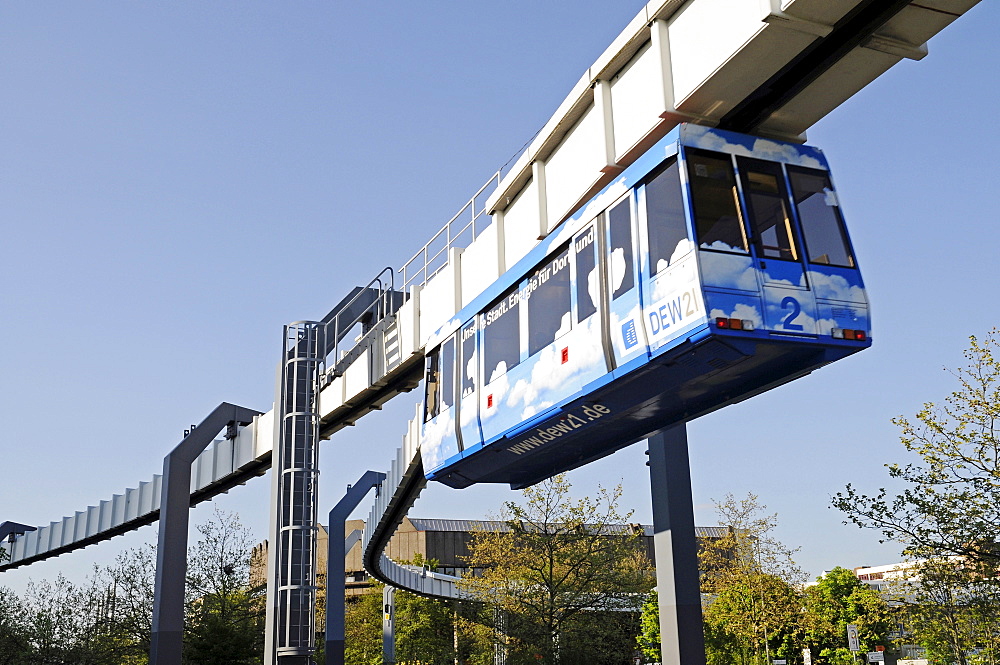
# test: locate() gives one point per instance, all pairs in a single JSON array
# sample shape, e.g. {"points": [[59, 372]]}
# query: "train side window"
{"points": [[432, 386], [620, 267], [819, 214], [501, 337], [439, 386], [767, 206], [448, 374], [468, 364], [549, 302], [717, 219], [588, 281], [665, 223]]}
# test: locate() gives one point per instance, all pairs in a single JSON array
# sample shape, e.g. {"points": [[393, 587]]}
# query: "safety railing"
{"points": [[459, 232], [381, 292]]}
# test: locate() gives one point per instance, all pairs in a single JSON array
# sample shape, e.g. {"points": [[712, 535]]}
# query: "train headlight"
{"points": [[847, 333], [734, 324]]}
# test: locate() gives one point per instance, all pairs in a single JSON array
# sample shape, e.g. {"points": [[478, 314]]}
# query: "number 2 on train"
{"points": [[787, 302]]}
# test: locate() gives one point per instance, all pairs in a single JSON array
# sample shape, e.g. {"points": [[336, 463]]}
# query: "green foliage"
{"points": [[107, 620], [425, 629], [649, 629], [953, 611], [837, 599], [559, 573], [750, 581], [13, 631], [949, 505], [363, 628], [225, 620], [948, 514]]}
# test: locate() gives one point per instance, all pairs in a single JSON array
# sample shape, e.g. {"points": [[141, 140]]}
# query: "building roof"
{"points": [[425, 524]]}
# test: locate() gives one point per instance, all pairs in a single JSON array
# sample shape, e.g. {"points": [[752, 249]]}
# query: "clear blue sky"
{"points": [[178, 180]]}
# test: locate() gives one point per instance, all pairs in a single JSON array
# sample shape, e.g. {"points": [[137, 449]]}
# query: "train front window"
{"points": [[715, 201], [501, 337], [620, 268], [665, 224], [767, 204], [548, 295], [819, 214]]}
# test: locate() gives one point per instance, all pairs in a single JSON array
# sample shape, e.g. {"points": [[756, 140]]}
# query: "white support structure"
{"points": [[224, 464]]}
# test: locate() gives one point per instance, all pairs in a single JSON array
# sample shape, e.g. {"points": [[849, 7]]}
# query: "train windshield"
{"points": [[767, 203], [715, 200], [819, 213]]}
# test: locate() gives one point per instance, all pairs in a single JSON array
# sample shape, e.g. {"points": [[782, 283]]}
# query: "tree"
{"points": [[948, 513], [225, 619], [950, 611], [951, 502], [13, 633], [837, 599], [560, 572], [127, 586], [363, 628], [752, 604], [649, 629], [750, 581]]}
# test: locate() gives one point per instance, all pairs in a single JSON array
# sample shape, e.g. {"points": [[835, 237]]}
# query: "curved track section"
{"points": [[402, 485]]}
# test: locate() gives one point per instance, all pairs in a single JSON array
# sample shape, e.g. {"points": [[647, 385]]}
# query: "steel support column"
{"points": [[682, 638], [171, 545], [291, 595], [388, 625], [335, 565]]}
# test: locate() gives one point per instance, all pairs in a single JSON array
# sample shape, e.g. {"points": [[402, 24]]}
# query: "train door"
{"points": [[672, 295], [625, 328], [438, 440], [789, 306]]}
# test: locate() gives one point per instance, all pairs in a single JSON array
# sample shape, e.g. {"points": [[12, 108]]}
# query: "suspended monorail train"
{"points": [[713, 268]]}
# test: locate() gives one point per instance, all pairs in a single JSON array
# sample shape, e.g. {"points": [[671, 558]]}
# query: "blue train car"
{"points": [[715, 267]]}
